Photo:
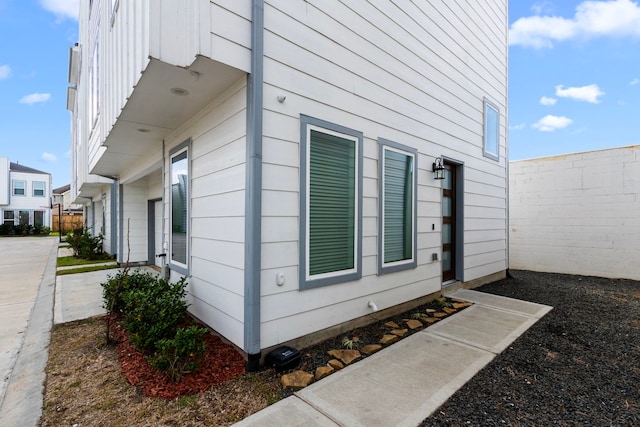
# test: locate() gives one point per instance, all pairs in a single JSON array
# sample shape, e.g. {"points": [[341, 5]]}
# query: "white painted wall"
{"points": [[29, 202], [414, 73], [218, 155], [577, 213], [5, 183]]}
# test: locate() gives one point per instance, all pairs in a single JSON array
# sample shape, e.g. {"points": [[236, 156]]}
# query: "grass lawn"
{"points": [[67, 261]]}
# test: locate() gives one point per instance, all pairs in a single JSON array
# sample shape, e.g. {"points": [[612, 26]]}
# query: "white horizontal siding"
{"points": [[415, 73], [217, 210]]}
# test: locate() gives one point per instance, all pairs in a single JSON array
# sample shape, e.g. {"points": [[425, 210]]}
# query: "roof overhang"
{"points": [[164, 99]]}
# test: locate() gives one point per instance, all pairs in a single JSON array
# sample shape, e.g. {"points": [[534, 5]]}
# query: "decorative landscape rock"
{"points": [[429, 320], [392, 325], [371, 348], [399, 332], [388, 339], [345, 356], [296, 379], [430, 310], [440, 314], [414, 324], [323, 371], [336, 364], [449, 310], [459, 305]]}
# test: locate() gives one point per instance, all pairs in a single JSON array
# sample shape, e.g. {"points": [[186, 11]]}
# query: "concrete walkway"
{"points": [[27, 280], [403, 384], [398, 386]]}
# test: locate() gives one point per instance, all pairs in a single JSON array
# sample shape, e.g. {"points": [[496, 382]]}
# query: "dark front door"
{"points": [[449, 223]]}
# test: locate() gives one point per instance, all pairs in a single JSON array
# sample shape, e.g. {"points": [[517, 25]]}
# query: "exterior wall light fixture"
{"points": [[438, 169]]}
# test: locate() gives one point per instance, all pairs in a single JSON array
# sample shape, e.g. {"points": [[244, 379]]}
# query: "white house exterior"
{"points": [[280, 153], [577, 213], [25, 195]]}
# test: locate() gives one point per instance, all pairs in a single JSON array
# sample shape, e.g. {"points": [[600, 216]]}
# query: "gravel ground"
{"points": [[578, 366]]}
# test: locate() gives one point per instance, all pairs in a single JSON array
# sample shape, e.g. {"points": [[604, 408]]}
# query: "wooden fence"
{"points": [[67, 221]]}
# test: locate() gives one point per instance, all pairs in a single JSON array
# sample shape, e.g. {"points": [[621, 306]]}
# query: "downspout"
{"points": [[114, 218], [253, 194], [506, 126]]}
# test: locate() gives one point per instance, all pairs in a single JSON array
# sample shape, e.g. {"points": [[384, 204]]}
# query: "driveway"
{"points": [[27, 282]]}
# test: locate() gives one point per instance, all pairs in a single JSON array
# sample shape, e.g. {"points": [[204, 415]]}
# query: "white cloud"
{"points": [[49, 157], [545, 100], [35, 98], [551, 123], [542, 7], [634, 82], [518, 127], [5, 71], [589, 93], [615, 18], [62, 8]]}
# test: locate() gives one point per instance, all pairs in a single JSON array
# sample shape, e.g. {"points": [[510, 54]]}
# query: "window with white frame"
{"points": [[397, 207], [23, 217], [179, 207], [330, 203], [19, 188], [94, 83], [9, 217], [38, 218], [491, 131], [38, 188]]}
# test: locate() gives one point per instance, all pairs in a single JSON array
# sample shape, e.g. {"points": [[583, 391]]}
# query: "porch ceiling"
{"points": [[165, 97]]}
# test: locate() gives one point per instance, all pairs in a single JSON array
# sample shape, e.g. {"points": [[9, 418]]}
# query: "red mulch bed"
{"points": [[221, 363]]}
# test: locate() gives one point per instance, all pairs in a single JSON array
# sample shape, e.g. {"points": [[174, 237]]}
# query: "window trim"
{"points": [[488, 105], [306, 281], [24, 187], [13, 216], [405, 264], [184, 147], [44, 188]]}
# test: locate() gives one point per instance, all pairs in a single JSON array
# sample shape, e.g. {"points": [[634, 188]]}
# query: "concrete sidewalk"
{"points": [[27, 280], [404, 383]]}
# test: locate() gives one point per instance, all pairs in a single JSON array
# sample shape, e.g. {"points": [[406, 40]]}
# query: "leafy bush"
{"points": [[181, 354], [116, 286], [84, 245], [154, 313]]}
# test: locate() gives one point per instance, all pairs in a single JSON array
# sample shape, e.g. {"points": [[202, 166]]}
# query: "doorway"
{"points": [[452, 223], [155, 249]]}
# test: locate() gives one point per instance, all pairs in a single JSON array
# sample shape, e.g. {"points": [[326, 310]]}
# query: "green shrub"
{"points": [[181, 354], [84, 245], [117, 286], [154, 313]]}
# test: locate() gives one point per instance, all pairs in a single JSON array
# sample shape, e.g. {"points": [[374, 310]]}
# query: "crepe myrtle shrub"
{"points": [[84, 245], [119, 284], [153, 313], [181, 354]]}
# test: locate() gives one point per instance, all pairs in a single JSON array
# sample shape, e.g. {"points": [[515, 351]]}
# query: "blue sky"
{"points": [[574, 79]]}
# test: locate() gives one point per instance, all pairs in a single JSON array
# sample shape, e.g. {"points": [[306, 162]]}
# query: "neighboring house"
{"points": [[280, 153], [65, 215], [577, 213], [25, 195]]}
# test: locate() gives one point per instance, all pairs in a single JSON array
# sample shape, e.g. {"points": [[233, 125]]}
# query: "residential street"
{"points": [[27, 279]]}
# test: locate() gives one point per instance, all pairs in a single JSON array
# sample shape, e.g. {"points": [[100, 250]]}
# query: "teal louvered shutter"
{"points": [[398, 206], [332, 203]]}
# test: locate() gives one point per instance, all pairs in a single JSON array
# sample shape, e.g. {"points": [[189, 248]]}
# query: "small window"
{"points": [[179, 207], [38, 188], [9, 217], [23, 217], [491, 131], [38, 218], [397, 207], [19, 188], [330, 203]]}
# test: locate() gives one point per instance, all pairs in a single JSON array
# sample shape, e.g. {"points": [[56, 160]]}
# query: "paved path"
{"points": [[27, 281], [404, 383]]}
